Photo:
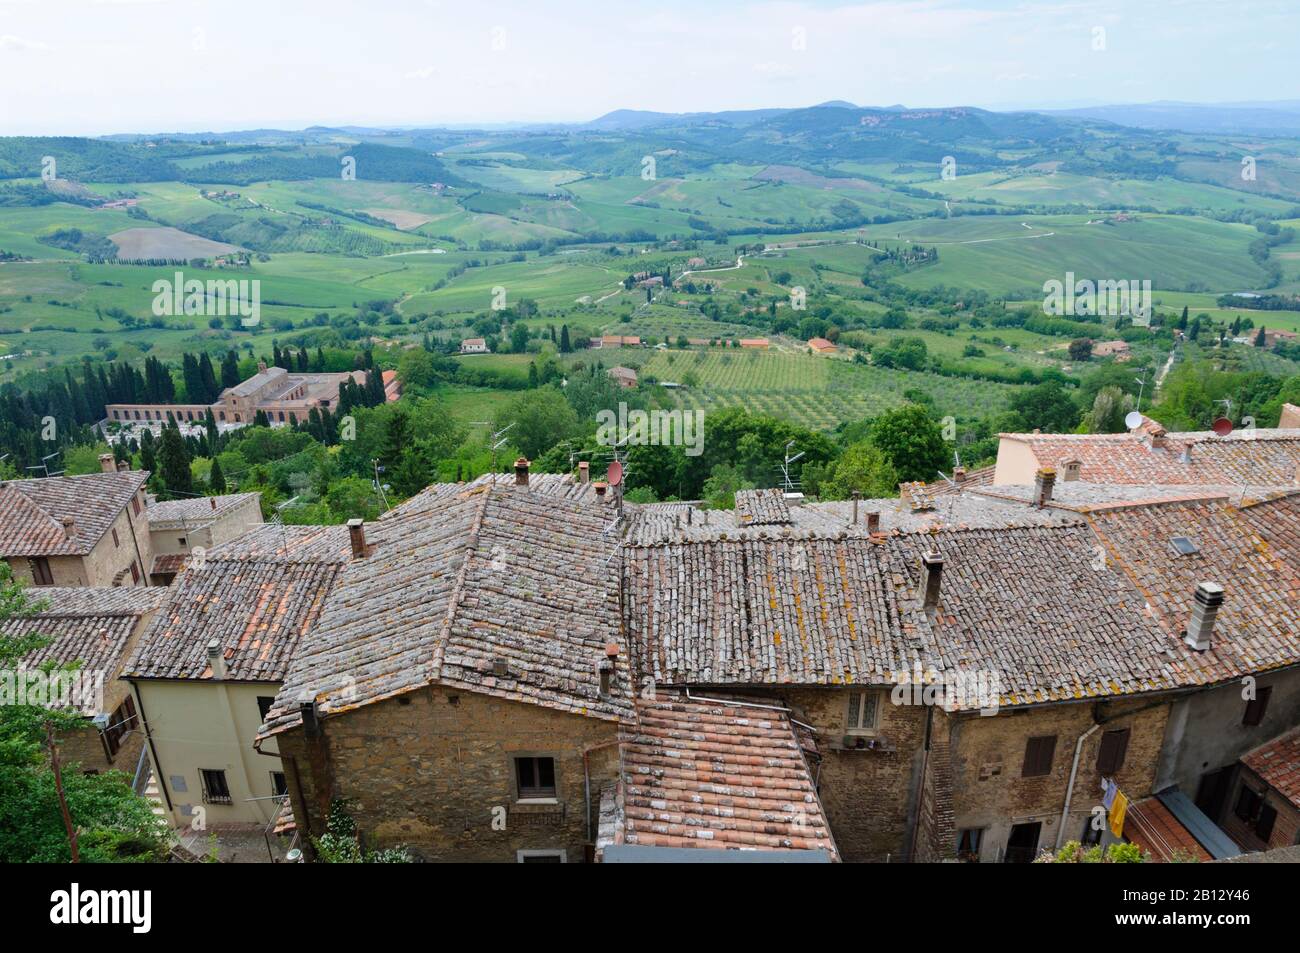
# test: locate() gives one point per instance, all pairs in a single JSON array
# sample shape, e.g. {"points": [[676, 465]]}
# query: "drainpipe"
{"points": [[1069, 788]]}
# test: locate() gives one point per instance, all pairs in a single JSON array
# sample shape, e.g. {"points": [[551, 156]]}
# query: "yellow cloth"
{"points": [[1117, 811]]}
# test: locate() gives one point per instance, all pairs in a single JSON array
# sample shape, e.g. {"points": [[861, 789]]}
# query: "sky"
{"points": [[92, 67]]}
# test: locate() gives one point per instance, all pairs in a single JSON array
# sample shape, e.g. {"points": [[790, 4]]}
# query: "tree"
{"points": [[862, 468], [1081, 350], [216, 479], [1109, 408], [1047, 407], [565, 345], [541, 419], [1260, 340], [911, 441], [109, 821], [174, 459], [230, 369]]}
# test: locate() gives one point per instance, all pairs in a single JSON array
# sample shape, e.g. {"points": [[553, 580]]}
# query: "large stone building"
{"points": [[284, 396], [180, 529]]}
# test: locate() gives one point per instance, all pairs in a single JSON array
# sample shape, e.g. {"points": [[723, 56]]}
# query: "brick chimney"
{"points": [[931, 579], [873, 522], [261, 367], [69, 527], [606, 668], [584, 472], [357, 533], [959, 475], [123, 466], [600, 486], [1205, 609], [1044, 483], [521, 471], [107, 464], [216, 660]]}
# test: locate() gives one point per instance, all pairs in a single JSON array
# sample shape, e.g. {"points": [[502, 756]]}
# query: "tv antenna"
{"points": [[1142, 385], [786, 482], [44, 465]]}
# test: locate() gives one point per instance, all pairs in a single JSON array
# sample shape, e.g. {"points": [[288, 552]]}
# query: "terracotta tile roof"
{"points": [[257, 602], [91, 626], [562, 485], [1278, 764], [983, 476], [197, 511], [32, 511], [168, 564], [1251, 552], [719, 776], [1259, 458], [1151, 826], [1024, 603], [761, 508], [490, 575]]}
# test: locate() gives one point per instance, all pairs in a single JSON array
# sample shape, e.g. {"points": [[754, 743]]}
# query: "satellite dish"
{"points": [[614, 475], [1134, 420], [1222, 426]]}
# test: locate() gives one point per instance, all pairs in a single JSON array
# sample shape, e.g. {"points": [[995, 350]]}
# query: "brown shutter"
{"points": [[1114, 745], [1038, 756], [1256, 707]]}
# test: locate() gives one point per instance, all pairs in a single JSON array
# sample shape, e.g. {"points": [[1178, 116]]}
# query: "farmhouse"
{"points": [[473, 346], [822, 346], [284, 397], [759, 344], [616, 340], [1116, 349], [623, 376]]}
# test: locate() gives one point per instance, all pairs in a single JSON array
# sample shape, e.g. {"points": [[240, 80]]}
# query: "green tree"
{"points": [[864, 468], [911, 441], [216, 479], [174, 459], [541, 419], [1047, 407]]}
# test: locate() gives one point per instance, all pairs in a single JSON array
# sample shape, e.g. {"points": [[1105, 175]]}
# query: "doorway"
{"points": [[1022, 845]]}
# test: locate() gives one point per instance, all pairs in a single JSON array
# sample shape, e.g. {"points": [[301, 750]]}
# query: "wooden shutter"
{"points": [[1114, 745], [1038, 756], [1256, 707]]}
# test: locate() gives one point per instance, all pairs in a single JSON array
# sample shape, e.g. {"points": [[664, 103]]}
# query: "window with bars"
{"points": [[535, 778], [864, 711], [215, 788]]}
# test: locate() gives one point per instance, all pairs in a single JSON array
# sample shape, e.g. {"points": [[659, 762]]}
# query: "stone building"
{"points": [[95, 629], [77, 530], [285, 397], [180, 528]]}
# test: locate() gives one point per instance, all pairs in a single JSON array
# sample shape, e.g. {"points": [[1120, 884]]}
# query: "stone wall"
{"points": [[434, 770]]}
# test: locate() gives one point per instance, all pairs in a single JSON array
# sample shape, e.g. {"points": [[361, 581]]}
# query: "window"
{"points": [[121, 723], [1248, 804], [264, 703], [1264, 826], [116, 541], [41, 574], [1091, 833], [1256, 707], [215, 789], [1114, 745], [182, 540], [279, 786], [1038, 756], [135, 505], [535, 778], [968, 844], [135, 574], [541, 856], [863, 711]]}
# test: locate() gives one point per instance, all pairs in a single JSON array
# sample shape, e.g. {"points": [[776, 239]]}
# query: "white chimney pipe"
{"points": [[1205, 609], [216, 660]]}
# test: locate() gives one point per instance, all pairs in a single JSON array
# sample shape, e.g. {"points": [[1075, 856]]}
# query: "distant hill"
{"points": [[1270, 119]]}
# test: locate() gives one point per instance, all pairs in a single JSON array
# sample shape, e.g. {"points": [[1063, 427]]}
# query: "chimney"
{"points": [[521, 471], [856, 498], [216, 660], [357, 532], [212, 502], [959, 475], [500, 667], [873, 522], [261, 367], [1186, 455], [931, 579], [107, 463], [1044, 481], [1205, 608], [69, 527], [601, 486], [310, 719], [123, 466], [584, 472]]}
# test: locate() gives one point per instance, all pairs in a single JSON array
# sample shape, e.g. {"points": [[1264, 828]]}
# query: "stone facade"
{"points": [[433, 770]]}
